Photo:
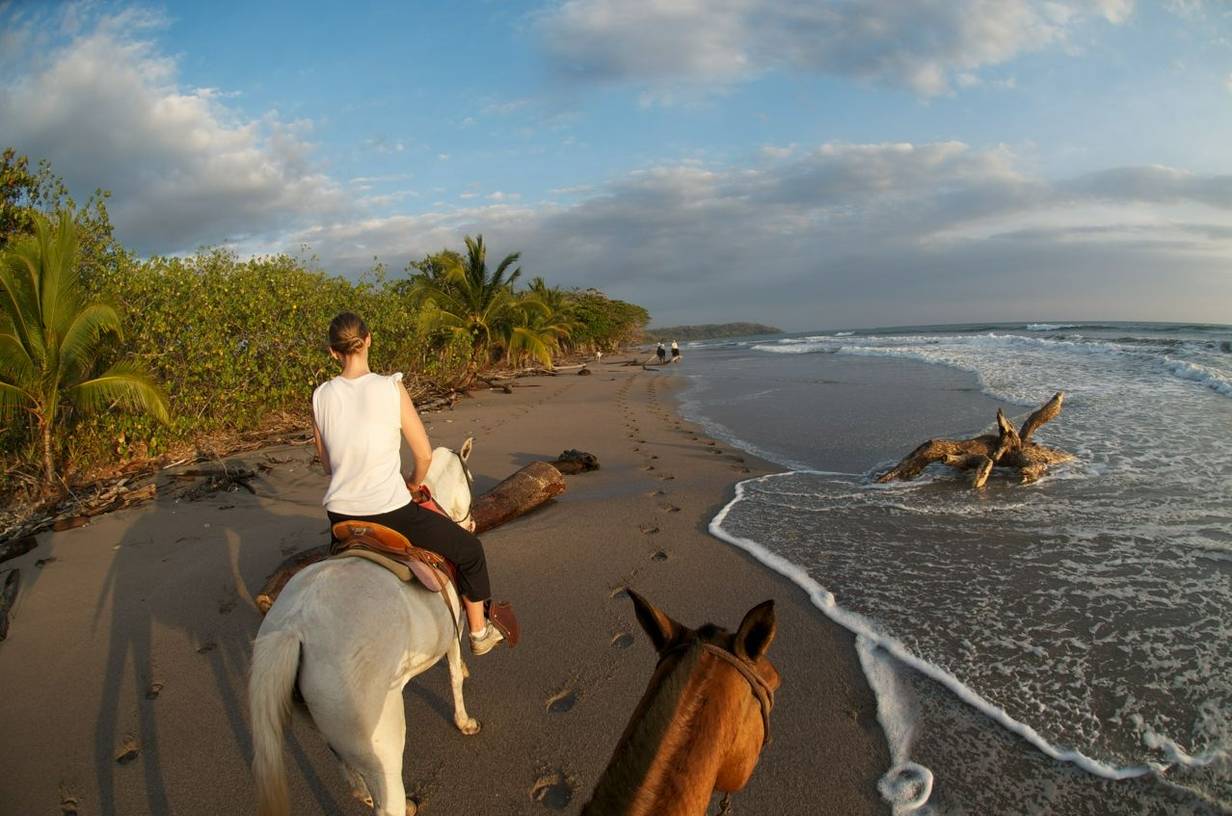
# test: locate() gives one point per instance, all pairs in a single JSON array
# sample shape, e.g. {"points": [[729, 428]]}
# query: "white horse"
{"points": [[351, 635]]}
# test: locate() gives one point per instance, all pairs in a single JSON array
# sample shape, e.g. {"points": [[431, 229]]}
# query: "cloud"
{"points": [[1156, 185], [184, 168], [842, 234], [504, 107], [926, 46]]}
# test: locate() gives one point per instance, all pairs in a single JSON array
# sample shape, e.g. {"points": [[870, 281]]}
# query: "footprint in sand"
{"points": [[648, 467], [552, 790], [648, 529], [659, 556], [622, 640], [128, 750], [666, 478], [561, 701], [669, 508], [69, 802]]}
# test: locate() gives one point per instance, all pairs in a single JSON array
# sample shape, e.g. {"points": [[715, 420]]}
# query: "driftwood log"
{"points": [[8, 594], [17, 546], [522, 492], [1009, 447]]}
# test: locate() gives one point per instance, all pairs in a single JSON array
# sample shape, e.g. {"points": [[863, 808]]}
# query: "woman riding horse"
{"points": [[357, 417]]}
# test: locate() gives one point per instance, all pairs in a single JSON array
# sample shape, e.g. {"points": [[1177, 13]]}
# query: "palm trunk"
{"points": [[49, 467]]}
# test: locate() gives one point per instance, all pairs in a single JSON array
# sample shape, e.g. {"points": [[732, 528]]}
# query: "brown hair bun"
{"points": [[347, 333]]}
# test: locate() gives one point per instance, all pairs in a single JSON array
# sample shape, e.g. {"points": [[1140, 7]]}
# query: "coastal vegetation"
{"points": [[216, 348], [56, 347], [708, 331]]}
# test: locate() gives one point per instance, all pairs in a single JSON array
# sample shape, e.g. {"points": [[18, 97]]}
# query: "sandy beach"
{"points": [[138, 627]]}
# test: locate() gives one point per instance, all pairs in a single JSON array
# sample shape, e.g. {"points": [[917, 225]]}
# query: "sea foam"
{"points": [[1118, 561]]}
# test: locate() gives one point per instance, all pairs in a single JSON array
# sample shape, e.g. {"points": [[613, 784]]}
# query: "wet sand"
{"points": [[141, 627]]}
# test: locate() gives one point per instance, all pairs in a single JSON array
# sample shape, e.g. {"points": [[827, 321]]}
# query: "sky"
{"points": [[812, 165]]}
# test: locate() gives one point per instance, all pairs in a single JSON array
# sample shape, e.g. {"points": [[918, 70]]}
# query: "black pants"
{"points": [[435, 532]]}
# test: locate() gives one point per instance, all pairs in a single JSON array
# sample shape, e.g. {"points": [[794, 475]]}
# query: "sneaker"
{"points": [[486, 641]]}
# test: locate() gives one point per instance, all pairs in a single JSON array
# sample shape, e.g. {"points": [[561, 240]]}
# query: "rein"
{"points": [[470, 481]]}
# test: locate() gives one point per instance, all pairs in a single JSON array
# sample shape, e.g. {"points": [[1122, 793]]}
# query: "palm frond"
{"points": [[13, 398], [123, 384], [16, 367], [528, 341], [499, 278], [71, 295], [59, 289], [19, 273], [79, 346]]}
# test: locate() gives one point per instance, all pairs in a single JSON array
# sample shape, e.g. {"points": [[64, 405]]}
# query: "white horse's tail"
{"points": [[275, 662]]}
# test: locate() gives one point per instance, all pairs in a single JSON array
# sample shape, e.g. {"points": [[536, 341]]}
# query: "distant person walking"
{"points": [[662, 352], [675, 352]]}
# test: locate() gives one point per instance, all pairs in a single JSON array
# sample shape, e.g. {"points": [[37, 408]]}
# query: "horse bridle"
{"points": [[758, 686]]}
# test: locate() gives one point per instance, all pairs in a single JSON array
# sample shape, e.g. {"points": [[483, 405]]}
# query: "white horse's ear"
{"points": [[465, 452]]}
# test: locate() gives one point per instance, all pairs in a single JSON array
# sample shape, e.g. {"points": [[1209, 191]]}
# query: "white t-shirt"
{"points": [[361, 425]]}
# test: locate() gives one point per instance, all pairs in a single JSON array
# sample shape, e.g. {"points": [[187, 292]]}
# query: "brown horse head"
{"points": [[703, 721]]}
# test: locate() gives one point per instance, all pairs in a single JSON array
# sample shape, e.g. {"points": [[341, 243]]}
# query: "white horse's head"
{"points": [[450, 479]]}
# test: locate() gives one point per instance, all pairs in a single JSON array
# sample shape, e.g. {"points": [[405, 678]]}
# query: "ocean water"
{"points": [[1061, 647]]}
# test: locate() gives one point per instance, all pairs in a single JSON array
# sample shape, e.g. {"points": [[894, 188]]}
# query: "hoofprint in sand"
{"points": [[125, 669]]}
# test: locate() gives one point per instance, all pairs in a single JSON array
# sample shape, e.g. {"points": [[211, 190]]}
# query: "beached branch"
{"points": [[522, 492], [14, 547], [1009, 447], [8, 595], [530, 487]]}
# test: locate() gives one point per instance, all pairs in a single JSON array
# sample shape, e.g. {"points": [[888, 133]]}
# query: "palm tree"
{"points": [[545, 319], [539, 328], [463, 297], [53, 343]]}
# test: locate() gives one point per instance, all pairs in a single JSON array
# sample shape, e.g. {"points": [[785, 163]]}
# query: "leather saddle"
{"points": [[363, 539], [393, 551]]}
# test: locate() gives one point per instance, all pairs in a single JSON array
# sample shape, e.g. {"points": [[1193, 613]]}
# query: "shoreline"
{"points": [[936, 718], [162, 595]]}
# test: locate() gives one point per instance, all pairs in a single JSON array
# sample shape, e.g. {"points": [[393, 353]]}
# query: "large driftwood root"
{"points": [[522, 492], [1009, 447], [574, 461]]}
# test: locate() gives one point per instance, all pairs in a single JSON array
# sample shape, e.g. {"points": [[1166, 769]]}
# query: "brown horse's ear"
{"points": [[465, 452], [661, 629], [756, 631]]}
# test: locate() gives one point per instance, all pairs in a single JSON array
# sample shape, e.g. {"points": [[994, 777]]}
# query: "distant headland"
{"points": [[709, 331]]}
